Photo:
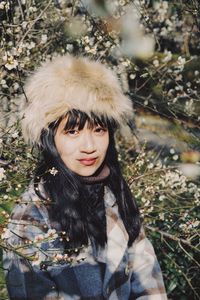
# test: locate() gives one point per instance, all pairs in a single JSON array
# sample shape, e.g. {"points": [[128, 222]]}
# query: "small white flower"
{"points": [[15, 135], [2, 174], [38, 238], [16, 86], [132, 76], [2, 4], [172, 151], [196, 223], [30, 45], [43, 38], [58, 257], [162, 216], [181, 61], [107, 44], [5, 57], [168, 56], [156, 63], [51, 233], [11, 63], [165, 5], [122, 2], [24, 24], [53, 171], [6, 234], [162, 197], [125, 63], [32, 9], [3, 83], [175, 157], [87, 48], [69, 47], [150, 166]]}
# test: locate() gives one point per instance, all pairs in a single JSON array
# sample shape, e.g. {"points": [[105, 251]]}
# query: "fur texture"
{"points": [[70, 82]]}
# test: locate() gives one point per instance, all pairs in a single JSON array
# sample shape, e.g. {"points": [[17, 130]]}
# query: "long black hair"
{"points": [[76, 206]]}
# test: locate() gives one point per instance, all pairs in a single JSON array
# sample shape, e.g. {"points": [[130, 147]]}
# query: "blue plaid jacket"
{"points": [[114, 272]]}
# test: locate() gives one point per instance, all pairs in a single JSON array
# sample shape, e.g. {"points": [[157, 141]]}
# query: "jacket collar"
{"points": [[117, 242]]}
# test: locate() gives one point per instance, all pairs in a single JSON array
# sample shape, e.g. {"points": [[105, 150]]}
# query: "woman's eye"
{"points": [[100, 130], [72, 132]]}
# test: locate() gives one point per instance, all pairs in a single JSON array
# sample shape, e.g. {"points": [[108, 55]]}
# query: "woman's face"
{"points": [[82, 151]]}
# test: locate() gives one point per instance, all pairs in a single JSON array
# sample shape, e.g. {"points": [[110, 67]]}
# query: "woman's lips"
{"points": [[87, 161]]}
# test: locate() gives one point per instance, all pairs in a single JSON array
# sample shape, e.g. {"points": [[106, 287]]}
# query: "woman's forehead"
{"points": [[79, 119]]}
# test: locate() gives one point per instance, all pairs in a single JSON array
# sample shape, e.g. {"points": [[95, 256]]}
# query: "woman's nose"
{"points": [[87, 143]]}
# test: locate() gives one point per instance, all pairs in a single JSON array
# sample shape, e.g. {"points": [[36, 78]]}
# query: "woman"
{"points": [[76, 231]]}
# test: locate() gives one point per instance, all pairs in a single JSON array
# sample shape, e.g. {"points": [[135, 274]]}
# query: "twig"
{"points": [[172, 237], [185, 276], [20, 7], [34, 22], [132, 179], [198, 264]]}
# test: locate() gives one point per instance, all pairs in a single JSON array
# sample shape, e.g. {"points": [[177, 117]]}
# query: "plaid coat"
{"points": [[115, 272]]}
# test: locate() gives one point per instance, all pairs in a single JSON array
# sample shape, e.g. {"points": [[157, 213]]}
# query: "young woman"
{"points": [[76, 232]]}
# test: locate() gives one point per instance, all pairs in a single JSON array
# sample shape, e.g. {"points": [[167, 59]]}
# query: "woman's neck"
{"points": [[100, 176]]}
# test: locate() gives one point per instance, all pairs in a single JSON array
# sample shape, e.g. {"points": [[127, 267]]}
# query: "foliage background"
{"points": [[154, 48]]}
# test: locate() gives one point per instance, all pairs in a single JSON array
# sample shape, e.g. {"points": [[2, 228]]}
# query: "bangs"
{"points": [[77, 119]]}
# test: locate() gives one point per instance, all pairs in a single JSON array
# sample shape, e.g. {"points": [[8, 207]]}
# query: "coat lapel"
{"points": [[117, 242]]}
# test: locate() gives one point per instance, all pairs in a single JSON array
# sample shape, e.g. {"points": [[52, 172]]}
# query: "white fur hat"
{"points": [[67, 83]]}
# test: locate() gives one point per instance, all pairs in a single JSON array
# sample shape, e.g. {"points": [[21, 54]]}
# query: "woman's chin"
{"points": [[86, 171]]}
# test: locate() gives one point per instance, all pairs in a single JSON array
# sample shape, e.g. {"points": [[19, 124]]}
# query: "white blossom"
{"points": [[15, 134], [189, 107], [11, 63], [172, 151], [32, 9], [30, 45], [162, 197], [53, 171], [175, 157], [181, 60], [16, 86], [156, 63], [4, 83], [168, 56], [2, 174], [38, 238], [132, 76], [51, 233], [4, 5], [44, 38]]}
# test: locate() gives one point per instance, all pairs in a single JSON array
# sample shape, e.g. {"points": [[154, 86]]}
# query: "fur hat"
{"points": [[67, 83]]}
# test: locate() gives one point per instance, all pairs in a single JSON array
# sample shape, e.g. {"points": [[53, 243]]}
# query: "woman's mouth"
{"points": [[88, 161]]}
